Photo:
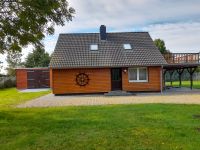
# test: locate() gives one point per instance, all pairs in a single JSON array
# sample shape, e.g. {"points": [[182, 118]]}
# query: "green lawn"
{"points": [[11, 96], [196, 84], [114, 127]]}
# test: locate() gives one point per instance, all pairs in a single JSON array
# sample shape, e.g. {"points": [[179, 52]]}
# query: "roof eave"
{"points": [[126, 66]]}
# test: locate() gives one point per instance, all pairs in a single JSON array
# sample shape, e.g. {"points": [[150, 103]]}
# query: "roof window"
{"points": [[94, 47], [127, 46]]}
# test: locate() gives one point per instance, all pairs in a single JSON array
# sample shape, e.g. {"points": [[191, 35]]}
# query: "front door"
{"points": [[116, 79]]}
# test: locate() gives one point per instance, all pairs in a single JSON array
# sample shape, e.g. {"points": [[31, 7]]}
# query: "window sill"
{"points": [[138, 81]]}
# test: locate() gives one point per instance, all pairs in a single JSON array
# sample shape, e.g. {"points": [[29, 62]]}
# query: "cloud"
{"points": [[131, 13], [179, 37], [177, 22]]}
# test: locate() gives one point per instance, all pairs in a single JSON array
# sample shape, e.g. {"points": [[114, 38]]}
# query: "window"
{"points": [[138, 74], [127, 46], [93, 47]]}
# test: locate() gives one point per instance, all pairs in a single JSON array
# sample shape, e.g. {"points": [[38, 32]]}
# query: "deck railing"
{"points": [[178, 58]]}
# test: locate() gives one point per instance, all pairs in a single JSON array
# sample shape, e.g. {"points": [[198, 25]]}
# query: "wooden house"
{"points": [[103, 62]]}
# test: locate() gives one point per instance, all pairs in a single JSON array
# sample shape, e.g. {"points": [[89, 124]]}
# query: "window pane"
{"points": [[94, 47], [133, 74], [127, 46], [142, 74]]}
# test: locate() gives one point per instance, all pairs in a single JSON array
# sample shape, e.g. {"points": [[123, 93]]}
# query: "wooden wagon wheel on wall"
{"points": [[82, 79]]}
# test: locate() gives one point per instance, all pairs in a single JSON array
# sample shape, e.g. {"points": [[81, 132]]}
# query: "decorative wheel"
{"points": [[82, 79]]}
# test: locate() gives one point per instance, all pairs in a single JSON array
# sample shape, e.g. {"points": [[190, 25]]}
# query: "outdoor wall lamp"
{"points": [[125, 70]]}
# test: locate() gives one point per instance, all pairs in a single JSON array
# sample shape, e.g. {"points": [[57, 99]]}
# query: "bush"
{"points": [[7, 82]]}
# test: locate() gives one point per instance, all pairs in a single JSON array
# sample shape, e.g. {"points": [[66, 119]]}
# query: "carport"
{"points": [[178, 62]]}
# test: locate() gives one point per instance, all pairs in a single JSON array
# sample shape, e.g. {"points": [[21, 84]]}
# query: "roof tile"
{"points": [[73, 51]]}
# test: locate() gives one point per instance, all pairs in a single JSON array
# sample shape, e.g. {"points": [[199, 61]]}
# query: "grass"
{"points": [[196, 84], [118, 127], [11, 96], [152, 126]]}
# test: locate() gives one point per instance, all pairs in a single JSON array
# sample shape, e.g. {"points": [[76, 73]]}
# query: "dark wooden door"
{"points": [[38, 79], [44, 79], [116, 79], [32, 81]]}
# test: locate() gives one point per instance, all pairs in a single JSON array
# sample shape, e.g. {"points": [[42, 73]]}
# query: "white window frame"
{"points": [[138, 74], [127, 46], [94, 47]]}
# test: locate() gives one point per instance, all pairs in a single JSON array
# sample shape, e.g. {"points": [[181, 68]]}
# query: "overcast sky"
{"points": [[177, 22]]}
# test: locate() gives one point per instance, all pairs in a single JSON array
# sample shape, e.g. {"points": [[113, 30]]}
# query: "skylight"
{"points": [[93, 47], [127, 46]]}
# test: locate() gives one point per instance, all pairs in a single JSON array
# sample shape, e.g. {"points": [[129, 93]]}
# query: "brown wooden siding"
{"points": [[51, 78], [21, 79], [153, 83], [64, 81]]}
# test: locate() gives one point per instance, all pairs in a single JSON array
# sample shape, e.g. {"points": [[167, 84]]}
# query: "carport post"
{"points": [[180, 72], [171, 73], [191, 72]]}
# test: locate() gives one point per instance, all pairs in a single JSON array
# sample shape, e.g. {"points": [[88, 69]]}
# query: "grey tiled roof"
{"points": [[73, 51]]}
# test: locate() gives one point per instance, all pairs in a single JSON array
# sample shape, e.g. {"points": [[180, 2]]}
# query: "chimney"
{"points": [[103, 35]]}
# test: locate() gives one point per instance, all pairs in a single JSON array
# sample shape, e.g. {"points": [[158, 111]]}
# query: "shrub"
{"points": [[7, 82]]}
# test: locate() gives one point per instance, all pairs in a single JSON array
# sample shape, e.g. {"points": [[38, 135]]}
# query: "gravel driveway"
{"points": [[78, 100]]}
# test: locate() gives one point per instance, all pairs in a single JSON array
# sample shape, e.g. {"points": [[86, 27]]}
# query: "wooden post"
{"points": [[171, 73], [186, 58], [180, 72], [191, 72]]}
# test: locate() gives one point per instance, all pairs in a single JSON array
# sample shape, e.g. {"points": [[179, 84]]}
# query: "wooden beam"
{"points": [[191, 72], [171, 74], [180, 72]]}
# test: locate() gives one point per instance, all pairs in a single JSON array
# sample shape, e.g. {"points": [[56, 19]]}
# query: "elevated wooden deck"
{"points": [[182, 58], [179, 62]]}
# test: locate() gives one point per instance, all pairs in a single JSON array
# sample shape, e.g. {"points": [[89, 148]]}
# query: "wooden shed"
{"points": [[31, 78]]}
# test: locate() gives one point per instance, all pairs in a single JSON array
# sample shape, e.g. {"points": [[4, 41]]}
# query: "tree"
{"points": [[14, 61], [38, 58], [1, 65], [160, 44], [24, 22]]}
